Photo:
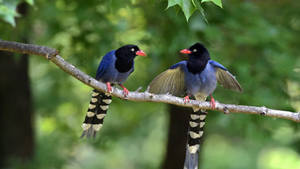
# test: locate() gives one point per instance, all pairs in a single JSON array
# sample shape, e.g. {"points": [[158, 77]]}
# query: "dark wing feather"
{"points": [[104, 64], [225, 78], [170, 81]]}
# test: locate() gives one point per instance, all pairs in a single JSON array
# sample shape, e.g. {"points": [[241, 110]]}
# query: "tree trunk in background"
{"points": [[16, 117], [15, 109], [177, 136]]}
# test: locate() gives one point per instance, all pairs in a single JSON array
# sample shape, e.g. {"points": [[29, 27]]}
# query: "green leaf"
{"points": [[172, 3], [201, 10], [30, 2], [217, 2], [8, 11], [187, 7]]}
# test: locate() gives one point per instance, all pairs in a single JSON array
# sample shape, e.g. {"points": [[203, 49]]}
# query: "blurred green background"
{"points": [[258, 41]]}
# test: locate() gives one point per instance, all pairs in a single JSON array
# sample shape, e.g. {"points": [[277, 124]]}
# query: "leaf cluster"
{"points": [[188, 7]]}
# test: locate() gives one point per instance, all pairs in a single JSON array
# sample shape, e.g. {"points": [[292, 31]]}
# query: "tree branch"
{"points": [[53, 56]]}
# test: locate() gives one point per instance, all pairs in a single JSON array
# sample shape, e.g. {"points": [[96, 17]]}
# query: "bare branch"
{"points": [[52, 55], [28, 49]]}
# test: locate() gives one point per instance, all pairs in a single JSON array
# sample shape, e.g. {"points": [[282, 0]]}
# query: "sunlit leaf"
{"points": [[31, 2], [8, 11], [199, 7], [217, 2], [173, 2], [187, 6]]}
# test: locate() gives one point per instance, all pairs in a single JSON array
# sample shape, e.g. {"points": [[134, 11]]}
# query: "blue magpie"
{"points": [[197, 77], [114, 68]]}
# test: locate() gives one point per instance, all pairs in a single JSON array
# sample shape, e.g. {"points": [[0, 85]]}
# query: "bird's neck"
{"points": [[123, 64], [196, 65]]}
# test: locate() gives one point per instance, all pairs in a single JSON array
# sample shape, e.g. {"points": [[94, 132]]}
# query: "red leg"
{"points": [[212, 102], [186, 99], [125, 91], [108, 87]]}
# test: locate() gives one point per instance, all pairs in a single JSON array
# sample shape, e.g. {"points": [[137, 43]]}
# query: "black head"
{"points": [[129, 52], [198, 57], [197, 50], [125, 56]]}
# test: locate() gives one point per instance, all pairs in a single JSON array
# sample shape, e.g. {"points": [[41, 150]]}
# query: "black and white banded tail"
{"points": [[96, 112], [195, 133]]}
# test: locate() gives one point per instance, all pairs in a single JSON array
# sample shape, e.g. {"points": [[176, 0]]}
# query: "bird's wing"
{"points": [[104, 64], [170, 81], [225, 78]]}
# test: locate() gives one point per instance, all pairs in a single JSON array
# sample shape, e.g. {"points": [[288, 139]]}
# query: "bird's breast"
{"points": [[204, 83], [121, 77], [112, 75]]}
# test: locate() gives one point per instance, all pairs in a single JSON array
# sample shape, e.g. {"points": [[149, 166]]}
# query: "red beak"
{"points": [[185, 51], [141, 53]]}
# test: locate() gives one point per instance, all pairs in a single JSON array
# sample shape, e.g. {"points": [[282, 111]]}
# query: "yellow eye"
{"points": [[195, 50], [132, 49]]}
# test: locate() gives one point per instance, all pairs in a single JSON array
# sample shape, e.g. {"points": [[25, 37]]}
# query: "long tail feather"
{"points": [[96, 112], [195, 133]]}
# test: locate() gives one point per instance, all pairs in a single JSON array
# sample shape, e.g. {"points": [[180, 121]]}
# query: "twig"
{"points": [[52, 55]]}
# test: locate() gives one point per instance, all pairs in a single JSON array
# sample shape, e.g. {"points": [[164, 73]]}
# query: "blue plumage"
{"points": [[204, 82], [107, 71], [106, 61], [114, 68], [200, 76], [216, 64], [197, 77]]}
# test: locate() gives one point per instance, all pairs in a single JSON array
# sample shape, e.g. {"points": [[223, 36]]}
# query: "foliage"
{"points": [[8, 10], [189, 6], [256, 41]]}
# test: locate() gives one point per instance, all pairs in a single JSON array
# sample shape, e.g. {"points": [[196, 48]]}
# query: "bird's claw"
{"points": [[108, 88], [186, 99], [212, 103], [125, 92]]}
